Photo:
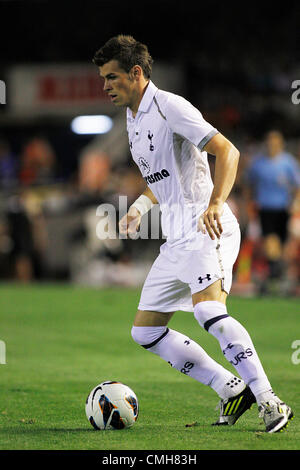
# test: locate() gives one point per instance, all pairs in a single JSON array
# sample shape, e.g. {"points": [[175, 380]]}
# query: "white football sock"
{"points": [[188, 357], [267, 396], [235, 343]]}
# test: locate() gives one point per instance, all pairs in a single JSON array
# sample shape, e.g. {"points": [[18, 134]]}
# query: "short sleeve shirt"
{"points": [[274, 180], [166, 140]]}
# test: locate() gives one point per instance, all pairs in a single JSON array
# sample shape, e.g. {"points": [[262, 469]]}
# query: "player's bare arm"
{"points": [[150, 195], [227, 157], [129, 224]]}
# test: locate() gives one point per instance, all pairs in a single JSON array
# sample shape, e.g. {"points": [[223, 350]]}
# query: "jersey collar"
{"points": [[146, 100], [148, 97]]}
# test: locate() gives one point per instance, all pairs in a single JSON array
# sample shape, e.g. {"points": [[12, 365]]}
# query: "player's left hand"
{"points": [[210, 221]]}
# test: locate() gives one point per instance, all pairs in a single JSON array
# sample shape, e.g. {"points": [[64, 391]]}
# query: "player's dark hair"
{"points": [[127, 51]]}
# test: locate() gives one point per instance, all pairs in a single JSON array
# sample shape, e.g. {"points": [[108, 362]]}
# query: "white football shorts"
{"points": [[184, 269]]}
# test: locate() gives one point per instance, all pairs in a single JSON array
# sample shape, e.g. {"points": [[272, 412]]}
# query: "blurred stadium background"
{"points": [[236, 63]]}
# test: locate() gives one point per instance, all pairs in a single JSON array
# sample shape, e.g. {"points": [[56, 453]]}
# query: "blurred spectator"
{"points": [[95, 188], [22, 250], [37, 164], [8, 166], [273, 179], [94, 172], [22, 208]]}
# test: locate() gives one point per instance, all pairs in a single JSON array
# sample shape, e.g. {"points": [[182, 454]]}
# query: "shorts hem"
{"points": [[174, 308], [209, 283]]}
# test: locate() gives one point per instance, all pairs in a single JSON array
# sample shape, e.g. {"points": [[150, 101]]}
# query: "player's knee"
{"points": [[214, 318], [136, 334], [209, 312], [147, 336]]}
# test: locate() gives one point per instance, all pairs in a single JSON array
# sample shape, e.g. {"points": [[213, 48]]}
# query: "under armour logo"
{"points": [[150, 137], [201, 279]]}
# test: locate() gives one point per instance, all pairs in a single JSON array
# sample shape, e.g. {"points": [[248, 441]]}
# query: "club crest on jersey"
{"points": [[150, 137]]}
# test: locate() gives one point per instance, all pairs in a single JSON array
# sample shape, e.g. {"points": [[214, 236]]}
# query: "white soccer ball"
{"points": [[112, 405]]}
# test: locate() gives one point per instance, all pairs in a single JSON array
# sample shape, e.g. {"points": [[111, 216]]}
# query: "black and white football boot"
{"points": [[231, 409]]}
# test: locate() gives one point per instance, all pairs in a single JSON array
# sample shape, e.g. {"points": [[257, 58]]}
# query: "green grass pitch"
{"points": [[61, 341]]}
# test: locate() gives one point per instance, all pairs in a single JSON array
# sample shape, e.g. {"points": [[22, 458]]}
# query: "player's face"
{"points": [[118, 84], [274, 143]]}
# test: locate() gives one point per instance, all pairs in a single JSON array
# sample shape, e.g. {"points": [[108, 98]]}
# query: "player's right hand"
{"points": [[210, 221], [129, 224]]}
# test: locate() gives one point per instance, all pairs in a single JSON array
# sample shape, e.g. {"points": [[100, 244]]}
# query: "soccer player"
{"points": [[273, 179], [169, 141]]}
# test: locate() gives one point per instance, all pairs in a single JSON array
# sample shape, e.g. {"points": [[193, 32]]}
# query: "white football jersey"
{"points": [[166, 140]]}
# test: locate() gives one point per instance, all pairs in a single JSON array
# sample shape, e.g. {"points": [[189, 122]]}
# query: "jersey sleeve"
{"points": [[186, 120]]}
